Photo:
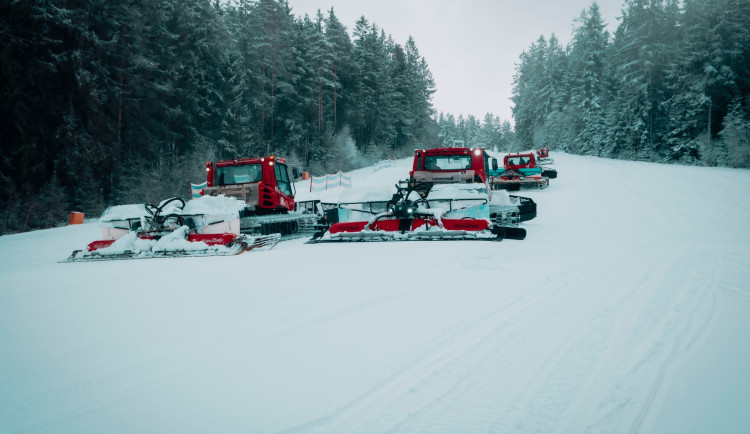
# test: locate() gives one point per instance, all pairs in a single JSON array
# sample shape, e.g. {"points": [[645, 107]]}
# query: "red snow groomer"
{"points": [[446, 197], [519, 171], [435, 167], [203, 227], [542, 156], [266, 187], [543, 159]]}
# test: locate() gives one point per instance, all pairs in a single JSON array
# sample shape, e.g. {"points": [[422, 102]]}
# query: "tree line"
{"points": [[122, 102], [671, 84], [491, 132]]}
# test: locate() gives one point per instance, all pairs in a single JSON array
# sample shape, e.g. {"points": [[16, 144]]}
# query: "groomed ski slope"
{"points": [[626, 309]]}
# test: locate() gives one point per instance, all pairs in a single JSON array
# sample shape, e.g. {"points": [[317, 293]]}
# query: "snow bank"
{"points": [[458, 191], [208, 205], [501, 197], [123, 212], [214, 205], [172, 242], [366, 195]]}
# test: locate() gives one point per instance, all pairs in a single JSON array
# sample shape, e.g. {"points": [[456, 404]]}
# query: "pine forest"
{"points": [[106, 102]]}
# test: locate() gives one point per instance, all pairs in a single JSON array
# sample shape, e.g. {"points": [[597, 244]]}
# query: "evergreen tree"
{"points": [[588, 83], [710, 73], [122, 102], [420, 86], [369, 55], [642, 56], [274, 22], [523, 87], [556, 115], [343, 69], [736, 136]]}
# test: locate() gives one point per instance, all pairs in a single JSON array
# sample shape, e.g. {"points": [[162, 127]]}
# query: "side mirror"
{"points": [[295, 173], [494, 164]]}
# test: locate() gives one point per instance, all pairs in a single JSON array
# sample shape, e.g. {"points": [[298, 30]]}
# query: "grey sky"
{"points": [[471, 46]]}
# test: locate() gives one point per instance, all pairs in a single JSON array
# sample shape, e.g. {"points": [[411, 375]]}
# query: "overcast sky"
{"points": [[471, 46]]}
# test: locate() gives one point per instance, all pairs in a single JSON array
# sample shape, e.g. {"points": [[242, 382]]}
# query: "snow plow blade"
{"points": [[421, 212], [494, 234], [201, 246], [206, 226], [418, 229]]}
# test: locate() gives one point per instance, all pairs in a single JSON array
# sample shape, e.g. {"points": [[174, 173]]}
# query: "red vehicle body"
{"points": [[404, 218], [520, 171], [462, 165], [267, 188], [263, 183], [451, 165], [543, 158], [414, 224], [514, 162]]}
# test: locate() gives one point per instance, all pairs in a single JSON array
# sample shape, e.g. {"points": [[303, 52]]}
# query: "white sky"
{"points": [[471, 46]]}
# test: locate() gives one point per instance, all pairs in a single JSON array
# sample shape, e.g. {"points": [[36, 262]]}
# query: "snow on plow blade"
{"points": [[193, 245], [411, 230], [207, 226]]}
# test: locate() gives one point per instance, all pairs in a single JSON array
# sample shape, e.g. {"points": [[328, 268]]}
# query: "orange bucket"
{"points": [[76, 218]]}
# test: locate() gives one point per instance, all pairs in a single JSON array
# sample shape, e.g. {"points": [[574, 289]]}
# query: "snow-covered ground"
{"points": [[626, 309]]}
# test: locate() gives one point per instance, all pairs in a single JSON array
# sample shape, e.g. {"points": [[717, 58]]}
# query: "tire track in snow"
{"points": [[557, 356], [100, 400], [443, 352], [676, 227], [739, 268], [503, 380], [148, 373], [682, 341], [193, 363], [552, 354], [620, 333], [736, 292], [498, 337]]}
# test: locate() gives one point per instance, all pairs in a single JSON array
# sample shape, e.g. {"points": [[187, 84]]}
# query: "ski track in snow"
{"points": [[585, 326]]}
